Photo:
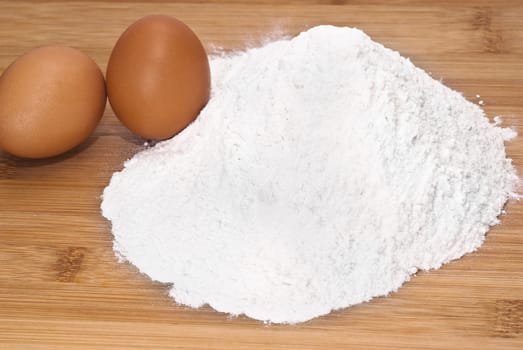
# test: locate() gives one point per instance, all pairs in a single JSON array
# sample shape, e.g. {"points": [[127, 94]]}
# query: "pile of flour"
{"points": [[323, 172]]}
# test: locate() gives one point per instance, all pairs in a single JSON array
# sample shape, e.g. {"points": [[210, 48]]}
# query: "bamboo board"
{"points": [[61, 286]]}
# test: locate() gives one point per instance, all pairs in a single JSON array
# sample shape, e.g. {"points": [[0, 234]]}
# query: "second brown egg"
{"points": [[158, 77]]}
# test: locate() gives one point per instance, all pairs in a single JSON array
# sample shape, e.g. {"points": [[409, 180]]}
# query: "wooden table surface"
{"points": [[61, 286]]}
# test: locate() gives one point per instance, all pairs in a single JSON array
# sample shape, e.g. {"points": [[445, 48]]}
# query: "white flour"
{"points": [[324, 171]]}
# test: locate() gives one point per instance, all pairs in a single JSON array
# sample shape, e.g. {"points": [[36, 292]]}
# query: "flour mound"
{"points": [[323, 172]]}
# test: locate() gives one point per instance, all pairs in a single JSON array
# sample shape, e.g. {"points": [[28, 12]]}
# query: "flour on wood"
{"points": [[324, 171]]}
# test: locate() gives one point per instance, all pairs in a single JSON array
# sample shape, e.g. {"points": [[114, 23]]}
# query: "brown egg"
{"points": [[51, 99], [158, 77]]}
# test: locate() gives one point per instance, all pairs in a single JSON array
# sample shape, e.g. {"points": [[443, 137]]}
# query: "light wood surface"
{"points": [[61, 286]]}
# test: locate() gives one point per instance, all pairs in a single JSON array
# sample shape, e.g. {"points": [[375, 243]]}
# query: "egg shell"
{"points": [[51, 100], [158, 77]]}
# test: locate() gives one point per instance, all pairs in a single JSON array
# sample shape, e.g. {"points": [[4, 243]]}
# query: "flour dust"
{"points": [[324, 171]]}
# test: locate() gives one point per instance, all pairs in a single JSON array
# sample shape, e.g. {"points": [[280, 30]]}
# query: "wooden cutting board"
{"points": [[62, 288]]}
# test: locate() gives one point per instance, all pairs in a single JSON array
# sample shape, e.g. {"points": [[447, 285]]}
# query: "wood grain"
{"points": [[61, 286]]}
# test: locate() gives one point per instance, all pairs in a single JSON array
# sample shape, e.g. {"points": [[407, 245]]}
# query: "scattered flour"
{"points": [[324, 171]]}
